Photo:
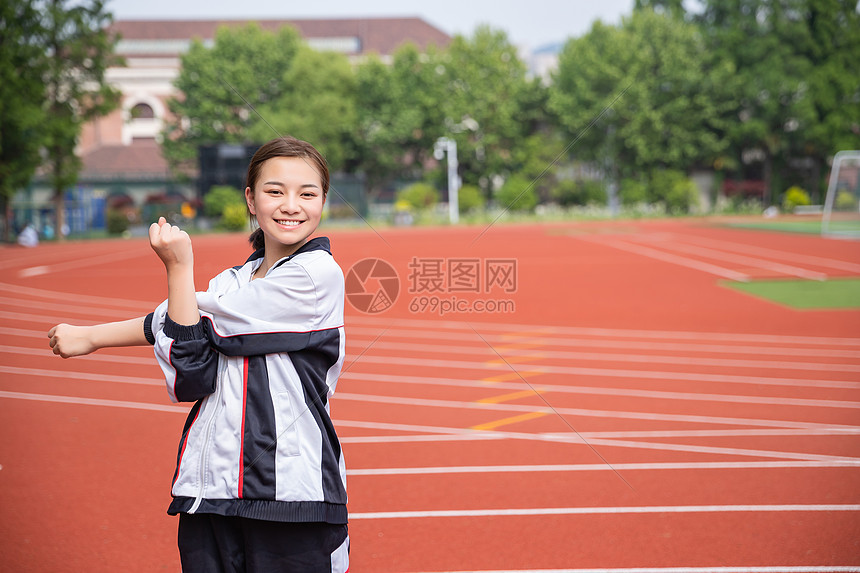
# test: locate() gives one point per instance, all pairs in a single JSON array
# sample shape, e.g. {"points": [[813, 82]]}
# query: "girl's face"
{"points": [[287, 200]]}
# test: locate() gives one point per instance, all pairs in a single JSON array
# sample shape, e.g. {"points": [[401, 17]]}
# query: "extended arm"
{"points": [[67, 340]]}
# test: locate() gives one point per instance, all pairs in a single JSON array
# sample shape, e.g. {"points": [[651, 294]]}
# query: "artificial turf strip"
{"points": [[809, 227], [805, 294]]}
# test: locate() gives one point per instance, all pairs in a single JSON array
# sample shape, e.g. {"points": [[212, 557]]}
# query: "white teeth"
{"points": [[288, 222]]}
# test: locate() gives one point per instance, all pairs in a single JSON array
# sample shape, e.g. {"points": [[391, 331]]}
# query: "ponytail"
{"points": [[257, 240]]}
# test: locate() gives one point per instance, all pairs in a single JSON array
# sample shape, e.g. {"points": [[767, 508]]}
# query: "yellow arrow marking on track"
{"points": [[511, 420]]}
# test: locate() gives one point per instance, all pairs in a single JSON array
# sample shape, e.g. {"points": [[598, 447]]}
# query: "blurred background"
{"points": [[115, 113]]}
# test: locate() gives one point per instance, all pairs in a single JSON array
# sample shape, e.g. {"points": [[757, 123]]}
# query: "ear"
{"points": [[249, 199]]}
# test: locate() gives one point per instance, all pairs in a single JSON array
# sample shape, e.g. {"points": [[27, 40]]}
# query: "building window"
{"points": [[142, 111]]}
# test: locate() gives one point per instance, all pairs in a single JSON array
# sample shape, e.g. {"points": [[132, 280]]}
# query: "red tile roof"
{"points": [[379, 35], [140, 160]]}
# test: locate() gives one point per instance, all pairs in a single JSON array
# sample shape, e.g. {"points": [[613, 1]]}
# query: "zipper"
{"points": [[204, 454]]}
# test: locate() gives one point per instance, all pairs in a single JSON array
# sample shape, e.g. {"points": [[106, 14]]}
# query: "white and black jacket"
{"points": [[261, 365]]}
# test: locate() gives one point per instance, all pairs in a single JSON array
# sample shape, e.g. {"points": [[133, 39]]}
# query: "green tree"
{"points": [[22, 91], [486, 93], [400, 114], [641, 96], [829, 39], [79, 50], [317, 104], [223, 87], [770, 81]]}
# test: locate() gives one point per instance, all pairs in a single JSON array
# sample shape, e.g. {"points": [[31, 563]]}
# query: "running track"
{"points": [[630, 415]]}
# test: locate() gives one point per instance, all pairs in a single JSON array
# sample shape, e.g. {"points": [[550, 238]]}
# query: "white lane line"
{"points": [[93, 402], [51, 319], [84, 309], [437, 329], [609, 372], [694, 264], [580, 357], [507, 407], [415, 439], [603, 511], [124, 254], [664, 446], [601, 391], [46, 352], [720, 569], [180, 409], [440, 326], [369, 334], [546, 468], [356, 334], [615, 357], [748, 433], [101, 301], [65, 375], [569, 437], [744, 260], [764, 251]]}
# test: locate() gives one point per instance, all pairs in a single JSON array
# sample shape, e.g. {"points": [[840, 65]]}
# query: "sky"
{"points": [[529, 23]]}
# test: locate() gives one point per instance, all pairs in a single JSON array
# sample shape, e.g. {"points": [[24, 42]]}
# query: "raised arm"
{"points": [[173, 247]]}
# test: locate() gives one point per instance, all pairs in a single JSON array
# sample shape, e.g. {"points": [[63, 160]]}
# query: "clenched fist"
{"points": [[67, 340], [171, 244]]}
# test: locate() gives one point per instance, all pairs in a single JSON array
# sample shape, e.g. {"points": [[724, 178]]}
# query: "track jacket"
{"points": [[260, 366]]}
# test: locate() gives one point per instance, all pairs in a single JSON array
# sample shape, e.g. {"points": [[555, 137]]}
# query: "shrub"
{"points": [[117, 221], [419, 195], [845, 201], [234, 217], [583, 192], [219, 197], [469, 197], [675, 190], [517, 194], [633, 192], [793, 197]]}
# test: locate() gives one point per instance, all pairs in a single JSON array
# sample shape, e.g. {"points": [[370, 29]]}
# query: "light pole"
{"points": [[447, 145]]}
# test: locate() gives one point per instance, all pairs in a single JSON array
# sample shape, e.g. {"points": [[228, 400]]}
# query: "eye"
{"points": [[273, 191]]}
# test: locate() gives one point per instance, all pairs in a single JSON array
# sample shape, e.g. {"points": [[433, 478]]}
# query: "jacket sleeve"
{"points": [[276, 313], [185, 355]]}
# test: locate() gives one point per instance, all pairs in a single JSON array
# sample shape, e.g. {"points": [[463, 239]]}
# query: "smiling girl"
{"points": [[260, 482]]}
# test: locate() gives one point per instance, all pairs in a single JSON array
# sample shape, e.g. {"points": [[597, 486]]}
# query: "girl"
{"points": [[260, 483]]}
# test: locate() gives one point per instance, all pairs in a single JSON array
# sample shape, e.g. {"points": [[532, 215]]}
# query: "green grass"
{"points": [[810, 227], [805, 294]]}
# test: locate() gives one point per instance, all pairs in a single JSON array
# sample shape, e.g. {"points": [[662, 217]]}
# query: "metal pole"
{"points": [[453, 182]]}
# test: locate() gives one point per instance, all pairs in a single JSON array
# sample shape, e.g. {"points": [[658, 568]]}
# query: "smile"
{"points": [[288, 222]]}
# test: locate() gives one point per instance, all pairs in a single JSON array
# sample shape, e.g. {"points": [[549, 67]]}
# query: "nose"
{"points": [[290, 203]]}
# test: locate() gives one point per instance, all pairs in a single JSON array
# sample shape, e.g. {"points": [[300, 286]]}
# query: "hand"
{"points": [[67, 340], [171, 244]]}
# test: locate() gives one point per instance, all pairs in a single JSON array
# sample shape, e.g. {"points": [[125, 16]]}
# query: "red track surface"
{"points": [[691, 425]]}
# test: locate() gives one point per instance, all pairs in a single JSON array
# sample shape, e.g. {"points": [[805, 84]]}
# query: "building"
{"points": [[120, 152]]}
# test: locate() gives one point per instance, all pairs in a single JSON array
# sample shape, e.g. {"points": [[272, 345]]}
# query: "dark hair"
{"points": [[284, 147]]}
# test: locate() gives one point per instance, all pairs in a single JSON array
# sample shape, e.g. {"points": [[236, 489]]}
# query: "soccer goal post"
{"points": [[841, 217]]}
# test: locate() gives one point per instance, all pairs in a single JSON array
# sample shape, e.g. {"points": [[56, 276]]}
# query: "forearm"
{"points": [[123, 333], [67, 340], [181, 296]]}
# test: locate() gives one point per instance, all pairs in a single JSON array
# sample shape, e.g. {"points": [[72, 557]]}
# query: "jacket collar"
{"points": [[315, 244]]}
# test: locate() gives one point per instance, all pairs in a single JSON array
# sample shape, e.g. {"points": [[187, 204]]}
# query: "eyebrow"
{"points": [[303, 186]]}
